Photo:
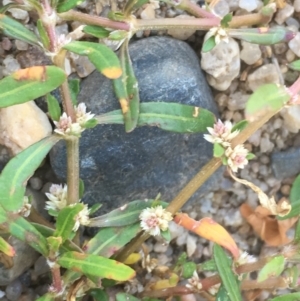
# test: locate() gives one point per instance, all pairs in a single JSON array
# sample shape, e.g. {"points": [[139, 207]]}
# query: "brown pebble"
{"points": [[285, 189]]}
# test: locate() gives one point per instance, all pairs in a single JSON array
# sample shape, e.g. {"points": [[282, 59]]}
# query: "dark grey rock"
{"points": [[286, 164], [118, 167]]}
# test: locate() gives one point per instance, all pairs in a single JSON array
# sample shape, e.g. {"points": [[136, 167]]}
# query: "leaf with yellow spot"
{"points": [[166, 283], [6, 248], [210, 230], [97, 266], [104, 59], [28, 84], [132, 258]]}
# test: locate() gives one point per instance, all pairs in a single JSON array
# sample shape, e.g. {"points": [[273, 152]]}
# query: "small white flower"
{"points": [[237, 157], [245, 258], [25, 210], [194, 283], [65, 126], [221, 133], [57, 197], [82, 218], [81, 115], [219, 33], [155, 219]]}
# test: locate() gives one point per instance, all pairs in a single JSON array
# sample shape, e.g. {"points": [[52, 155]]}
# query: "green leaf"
{"points": [[250, 156], [74, 87], [104, 59], [167, 116], [6, 248], [95, 208], [292, 274], [218, 150], [294, 200], [95, 265], [188, 269], [19, 169], [30, 83], [166, 235], [209, 44], [118, 35], [116, 16], [295, 65], [126, 215], [109, 240], [132, 5], [43, 34], [98, 294], [272, 269], [287, 297], [126, 89], [53, 107], [96, 31], [222, 294], [47, 297], [23, 230], [16, 30], [208, 265], [54, 243], [240, 126], [266, 99], [125, 297], [65, 5], [297, 233], [66, 220], [263, 36], [91, 123], [229, 280], [226, 20]]}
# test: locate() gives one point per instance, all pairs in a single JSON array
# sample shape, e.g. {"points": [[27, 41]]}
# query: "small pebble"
{"points": [[36, 183], [248, 5], [191, 245], [285, 190], [284, 13], [20, 45], [13, 290]]}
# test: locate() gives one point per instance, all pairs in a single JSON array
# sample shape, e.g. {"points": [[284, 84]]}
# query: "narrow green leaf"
{"points": [[266, 99], [240, 126], [95, 265], [104, 59], [167, 116], [116, 16], [123, 216], [95, 208], [188, 269], [295, 65], [294, 200], [53, 107], [74, 87], [6, 248], [65, 5], [98, 294], [263, 36], [23, 230], [47, 297], [229, 280], [91, 123], [131, 5], [218, 150], [222, 294], [16, 30], [126, 89], [287, 297], [66, 220], [125, 297], [272, 269], [30, 83], [19, 169], [109, 240], [297, 233], [226, 19], [96, 31], [209, 44], [43, 34]]}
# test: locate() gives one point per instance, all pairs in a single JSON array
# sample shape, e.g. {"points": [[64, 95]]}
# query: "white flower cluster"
{"points": [[58, 200], [155, 219], [245, 258], [65, 126], [194, 283], [222, 134], [219, 33]]}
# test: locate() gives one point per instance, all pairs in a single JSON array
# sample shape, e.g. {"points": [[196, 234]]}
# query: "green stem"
{"points": [[73, 169], [93, 20]]}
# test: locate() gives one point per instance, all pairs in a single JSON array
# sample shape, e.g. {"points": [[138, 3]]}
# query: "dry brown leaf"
{"points": [[271, 230]]}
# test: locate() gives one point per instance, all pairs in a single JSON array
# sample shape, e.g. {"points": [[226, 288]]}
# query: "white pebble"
{"points": [[284, 13], [11, 65], [294, 44], [297, 5], [248, 5], [191, 245]]}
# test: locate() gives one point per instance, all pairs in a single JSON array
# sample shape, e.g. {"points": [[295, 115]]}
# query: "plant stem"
{"points": [[57, 284], [194, 9], [35, 217], [93, 20], [168, 23], [73, 169], [271, 283], [249, 20]]}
